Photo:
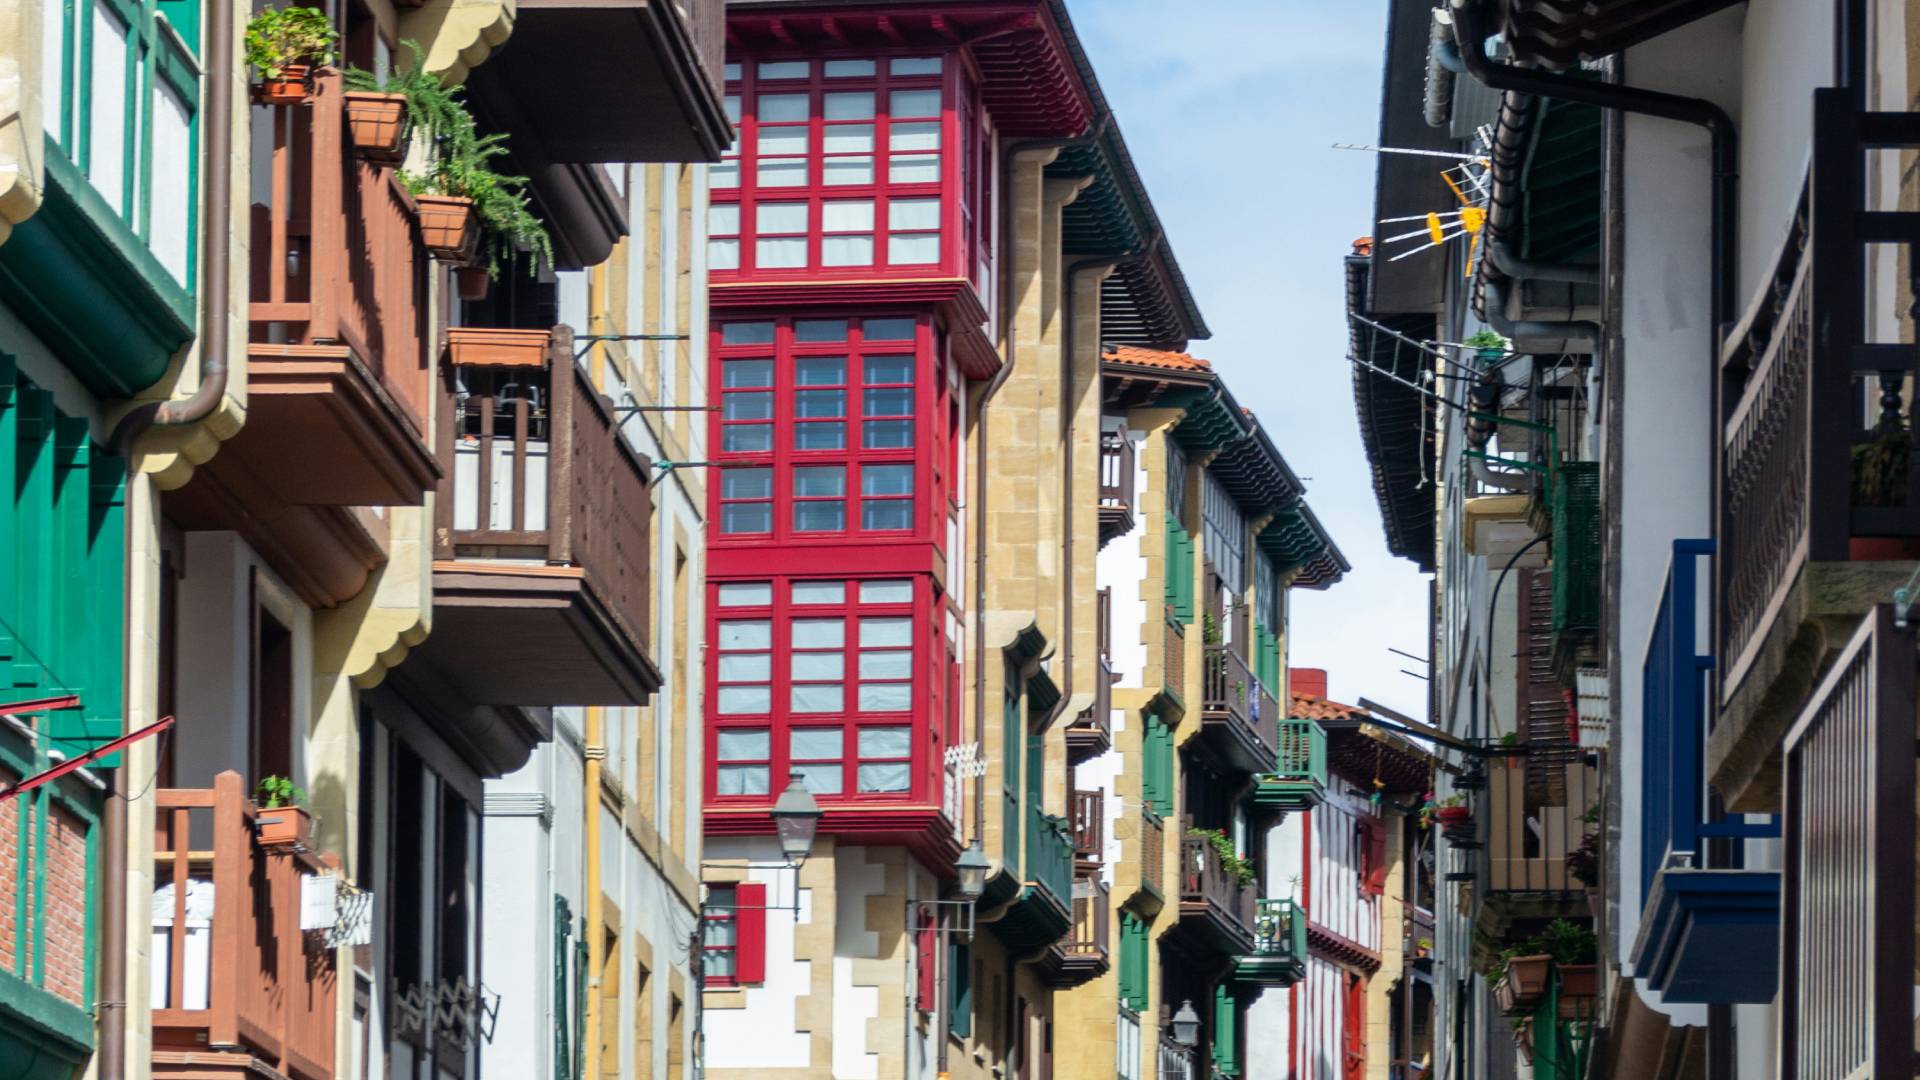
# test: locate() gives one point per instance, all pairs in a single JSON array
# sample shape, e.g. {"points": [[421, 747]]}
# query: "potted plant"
{"points": [[284, 45], [1583, 866], [1488, 346], [280, 821], [1455, 817], [1574, 950], [1240, 869], [469, 213], [1523, 979], [383, 113]]}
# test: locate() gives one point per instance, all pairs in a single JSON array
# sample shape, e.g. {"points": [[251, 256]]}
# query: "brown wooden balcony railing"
{"points": [[1174, 657], [1116, 471], [1204, 878], [1531, 828], [1103, 625], [336, 256], [1153, 853], [1249, 734], [1089, 827], [1091, 912], [231, 966]]}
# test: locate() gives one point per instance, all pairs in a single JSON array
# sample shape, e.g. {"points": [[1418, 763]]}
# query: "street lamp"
{"points": [[1186, 1025], [971, 870], [796, 817]]}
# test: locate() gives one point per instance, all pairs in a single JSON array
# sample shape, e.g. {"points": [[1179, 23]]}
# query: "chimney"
{"points": [[1307, 680]]}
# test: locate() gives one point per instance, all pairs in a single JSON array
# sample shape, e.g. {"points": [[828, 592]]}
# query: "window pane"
{"points": [[885, 480], [719, 964], [886, 592], [886, 664], [819, 592], [887, 329], [913, 249], [820, 516], [889, 369], [906, 214], [747, 333], [891, 631], [816, 698], [820, 370], [720, 932], [820, 436], [887, 434], [783, 141], [889, 401], [723, 254], [845, 215], [914, 135], [783, 69], [781, 252], [171, 173], [815, 330], [845, 250], [819, 480], [915, 65], [847, 139], [782, 172], [723, 219], [881, 778], [815, 743], [844, 68], [746, 484], [743, 744], [886, 742], [732, 102], [912, 103], [909, 169], [746, 634], [848, 170], [745, 700], [748, 405], [747, 667], [785, 217], [886, 697], [108, 115], [884, 514], [813, 404], [819, 633], [782, 108], [746, 518], [747, 438], [815, 666], [742, 780], [751, 594], [847, 106], [724, 174], [821, 779]]}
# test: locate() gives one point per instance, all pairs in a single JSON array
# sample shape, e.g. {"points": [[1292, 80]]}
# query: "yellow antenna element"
{"points": [[1473, 218], [1434, 230]]}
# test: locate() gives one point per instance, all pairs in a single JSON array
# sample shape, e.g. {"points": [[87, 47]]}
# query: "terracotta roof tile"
{"points": [[1160, 358], [1314, 707]]}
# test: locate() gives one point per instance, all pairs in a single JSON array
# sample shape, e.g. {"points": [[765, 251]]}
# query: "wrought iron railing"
{"points": [[1177, 1062]]}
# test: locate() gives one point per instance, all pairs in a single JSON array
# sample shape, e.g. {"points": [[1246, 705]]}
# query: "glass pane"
{"points": [[915, 65], [909, 214], [845, 250], [817, 666], [747, 333], [747, 667], [816, 698], [731, 71], [782, 172], [815, 330], [732, 102], [819, 480], [742, 780], [820, 436], [719, 964], [885, 480], [889, 369], [745, 700], [749, 594], [719, 931], [847, 106], [889, 401], [108, 114], [887, 329], [884, 514], [847, 139], [747, 438], [886, 697], [821, 779], [881, 778], [746, 634], [887, 434], [781, 252], [819, 633], [748, 405], [820, 516], [916, 135], [909, 169], [743, 744], [171, 173], [819, 592], [783, 69], [784, 141], [723, 219], [815, 743], [723, 254], [820, 370], [883, 632], [913, 249], [782, 108], [840, 171], [746, 484], [886, 664], [787, 217], [746, 518], [912, 103], [886, 742], [815, 404], [724, 174], [845, 215], [886, 592], [844, 68]]}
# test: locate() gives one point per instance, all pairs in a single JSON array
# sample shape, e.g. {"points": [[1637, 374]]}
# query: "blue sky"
{"points": [[1231, 108]]}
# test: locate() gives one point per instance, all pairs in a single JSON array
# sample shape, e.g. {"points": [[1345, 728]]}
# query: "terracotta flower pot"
{"points": [[293, 87], [283, 827], [377, 124], [472, 282], [1579, 980], [448, 228], [485, 347], [1524, 982]]}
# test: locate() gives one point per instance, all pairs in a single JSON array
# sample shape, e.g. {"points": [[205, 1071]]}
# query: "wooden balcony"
{"points": [[1230, 715], [1299, 778], [1089, 820], [1216, 908], [1153, 857], [543, 541], [1173, 660], [1091, 733], [1530, 819], [1116, 485], [238, 988], [339, 371], [1279, 956]]}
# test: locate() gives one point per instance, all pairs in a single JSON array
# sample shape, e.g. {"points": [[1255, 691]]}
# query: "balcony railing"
{"points": [[1205, 879], [1092, 909], [1153, 853], [1089, 827], [1116, 484], [1228, 689], [1230, 708], [1299, 778], [231, 965], [1050, 855], [1177, 1062], [1279, 929], [1174, 658], [1528, 836], [1091, 733]]}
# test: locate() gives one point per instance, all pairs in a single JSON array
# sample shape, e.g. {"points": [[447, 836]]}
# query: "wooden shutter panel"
{"points": [[926, 938], [750, 933], [1373, 834], [1541, 708]]}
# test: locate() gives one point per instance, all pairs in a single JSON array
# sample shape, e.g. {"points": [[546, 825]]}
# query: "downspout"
{"points": [[112, 1006], [1484, 397], [595, 753]]}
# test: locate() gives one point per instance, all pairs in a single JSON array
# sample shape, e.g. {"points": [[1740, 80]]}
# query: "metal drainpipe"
{"points": [[214, 281]]}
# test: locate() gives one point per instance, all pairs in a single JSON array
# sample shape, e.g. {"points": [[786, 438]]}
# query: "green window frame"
{"points": [[1133, 962], [1156, 773], [1226, 1031]]}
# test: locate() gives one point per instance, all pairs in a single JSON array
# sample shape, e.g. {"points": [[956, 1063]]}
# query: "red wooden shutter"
{"points": [[1373, 834], [750, 933], [1353, 1028], [925, 941]]}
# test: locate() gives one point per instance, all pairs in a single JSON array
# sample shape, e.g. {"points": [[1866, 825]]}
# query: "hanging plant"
{"points": [[284, 45], [383, 113], [464, 185]]}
